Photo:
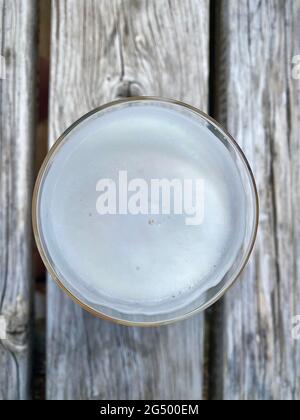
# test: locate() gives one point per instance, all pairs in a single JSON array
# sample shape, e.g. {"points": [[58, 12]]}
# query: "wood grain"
{"points": [[102, 50], [17, 104], [259, 101]]}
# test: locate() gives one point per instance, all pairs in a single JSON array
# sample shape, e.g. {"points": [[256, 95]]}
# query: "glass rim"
{"points": [[246, 255]]}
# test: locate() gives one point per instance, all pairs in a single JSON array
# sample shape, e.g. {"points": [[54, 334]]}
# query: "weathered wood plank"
{"points": [[102, 50], [260, 101], [17, 105]]}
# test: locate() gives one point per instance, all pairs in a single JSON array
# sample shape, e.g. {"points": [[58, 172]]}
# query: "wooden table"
{"points": [[233, 58]]}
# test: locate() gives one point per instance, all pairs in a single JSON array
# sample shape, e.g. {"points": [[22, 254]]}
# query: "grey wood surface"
{"points": [[102, 50], [17, 104], [259, 102]]}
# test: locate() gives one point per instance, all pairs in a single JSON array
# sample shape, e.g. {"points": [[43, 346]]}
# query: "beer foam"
{"points": [[140, 263]]}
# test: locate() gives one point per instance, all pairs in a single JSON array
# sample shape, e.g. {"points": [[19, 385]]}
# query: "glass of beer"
{"points": [[145, 211]]}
